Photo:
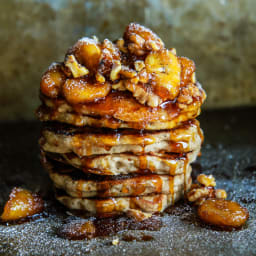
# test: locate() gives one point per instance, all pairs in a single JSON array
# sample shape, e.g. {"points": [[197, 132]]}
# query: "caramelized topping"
{"points": [[223, 213], [137, 63], [21, 204]]}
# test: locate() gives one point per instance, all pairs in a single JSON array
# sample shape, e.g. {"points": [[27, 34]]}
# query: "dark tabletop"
{"points": [[229, 153]]}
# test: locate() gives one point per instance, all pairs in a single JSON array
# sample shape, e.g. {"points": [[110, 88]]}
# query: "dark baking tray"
{"points": [[229, 152]]}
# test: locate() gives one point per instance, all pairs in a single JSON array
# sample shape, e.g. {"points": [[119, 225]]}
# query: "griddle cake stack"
{"points": [[119, 132]]}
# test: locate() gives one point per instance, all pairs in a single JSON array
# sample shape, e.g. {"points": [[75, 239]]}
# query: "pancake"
{"points": [[122, 106], [87, 142], [45, 114], [120, 205], [77, 184], [127, 163]]}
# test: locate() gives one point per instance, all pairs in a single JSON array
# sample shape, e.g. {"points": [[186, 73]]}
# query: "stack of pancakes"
{"points": [[119, 132]]}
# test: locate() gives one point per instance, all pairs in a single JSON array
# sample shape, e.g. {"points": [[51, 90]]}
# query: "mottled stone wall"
{"points": [[218, 34]]}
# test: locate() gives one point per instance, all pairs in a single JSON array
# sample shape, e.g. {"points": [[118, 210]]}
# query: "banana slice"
{"points": [[165, 70], [158, 81], [87, 52], [81, 91], [52, 80]]}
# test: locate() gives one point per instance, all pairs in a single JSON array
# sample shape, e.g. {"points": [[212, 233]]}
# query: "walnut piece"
{"points": [[197, 193], [116, 68], [206, 180], [77, 70], [204, 190]]}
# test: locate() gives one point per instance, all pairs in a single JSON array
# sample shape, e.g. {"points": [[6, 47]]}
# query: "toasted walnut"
{"points": [[52, 81], [139, 65], [119, 86], [187, 93], [197, 193], [77, 70], [109, 54], [120, 45], [206, 180], [144, 76], [127, 72], [116, 68], [141, 40], [138, 215], [220, 193], [21, 204], [142, 94]]}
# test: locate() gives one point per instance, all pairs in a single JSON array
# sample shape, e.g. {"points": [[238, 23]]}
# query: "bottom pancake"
{"points": [[78, 184], [122, 205]]}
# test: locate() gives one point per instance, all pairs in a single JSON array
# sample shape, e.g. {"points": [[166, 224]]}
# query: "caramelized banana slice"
{"points": [[87, 52], [223, 213], [81, 91], [141, 40], [165, 70], [21, 204], [52, 80]]}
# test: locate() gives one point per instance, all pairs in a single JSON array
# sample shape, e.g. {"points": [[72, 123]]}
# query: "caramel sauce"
{"points": [[180, 146], [101, 227], [143, 162]]}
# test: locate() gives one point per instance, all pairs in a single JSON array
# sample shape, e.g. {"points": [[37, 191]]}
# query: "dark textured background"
{"points": [[218, 34]]}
